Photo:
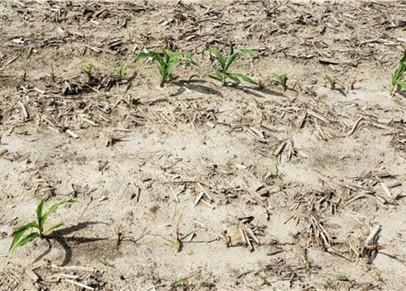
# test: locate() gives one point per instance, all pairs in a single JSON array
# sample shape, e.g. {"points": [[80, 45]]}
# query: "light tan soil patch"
{"points": [[305, 170]]}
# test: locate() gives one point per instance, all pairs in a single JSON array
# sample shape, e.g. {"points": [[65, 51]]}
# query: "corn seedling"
{"points": [[121, 72], [307, 264], [343, 278], [208, 285], [88, 70], [180, 283], [281, 80], [221, 71], [131, 100], [398, 76], [107, 263], [335, 84], [36, 227], [265, 281], [259, 105], [331, 82], [166, 62]]}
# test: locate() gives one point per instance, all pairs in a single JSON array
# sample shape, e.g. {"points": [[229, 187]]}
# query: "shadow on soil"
{"points": [[199, 86], [60, 237]]}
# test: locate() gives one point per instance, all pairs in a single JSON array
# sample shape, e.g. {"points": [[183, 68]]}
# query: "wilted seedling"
{"points": [[88, 70], [131, 100], [398, 76], [343, 278], [259, 105], [208, 285], [307, 264], [107, 263], [180, 283], [335, 84], [264, 279], [331, 82], [166, 62], [221, 71], [281, 80], [37, 227], [121, 72]]}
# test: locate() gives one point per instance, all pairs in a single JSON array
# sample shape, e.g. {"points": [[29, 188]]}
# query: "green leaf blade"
{"points": [[145, 55], [173, 62], [24, 240], [401, 84], [18, 235], [230, 56], [215, 52], [54, 227], [399, 71], [50, 210], [39, 211], [244, 78]]}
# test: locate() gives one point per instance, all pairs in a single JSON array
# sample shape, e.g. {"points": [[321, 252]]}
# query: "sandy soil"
{"points": [[170, 182]]}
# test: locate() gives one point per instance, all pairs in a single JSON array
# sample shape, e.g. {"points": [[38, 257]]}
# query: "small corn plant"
{"points": [[331, 82], [121, 72], [36, 227], [281, 80], [88, 70], [398, 76], [166, 62], [221, 71], [337, 85]]}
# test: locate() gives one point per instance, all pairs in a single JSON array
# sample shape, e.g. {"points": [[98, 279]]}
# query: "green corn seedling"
{"points": [[37, 227], [88, 70], [398, 76], [337, 85], [166, 62], [281, 80], [221, 71]]}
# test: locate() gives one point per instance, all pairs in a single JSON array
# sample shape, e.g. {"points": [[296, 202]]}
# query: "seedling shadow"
{"points": [[196, 85], [60, 237], [341, 91], [254, 90], [402, 93]]}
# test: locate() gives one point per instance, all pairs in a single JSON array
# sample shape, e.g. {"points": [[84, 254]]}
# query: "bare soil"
{"points": [[194, 185]]}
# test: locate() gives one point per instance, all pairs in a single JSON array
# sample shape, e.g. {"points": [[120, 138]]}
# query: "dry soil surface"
{"points": [[194, 185]]}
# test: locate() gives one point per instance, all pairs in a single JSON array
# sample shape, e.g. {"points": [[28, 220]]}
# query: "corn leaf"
{"points": [[331, 82], [39, 211], [187, 56], [144, 56], [281, 79], [246, 53], [397, 74], [234, 78], [218, 75], [24, 240], [172, 63], [403, 59], [244, 78], [401, 84], [54, 227], [19, 233], [230, 57], [166, 62], [235, 56], [400, 70], [218, 56], [51, 210]]}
